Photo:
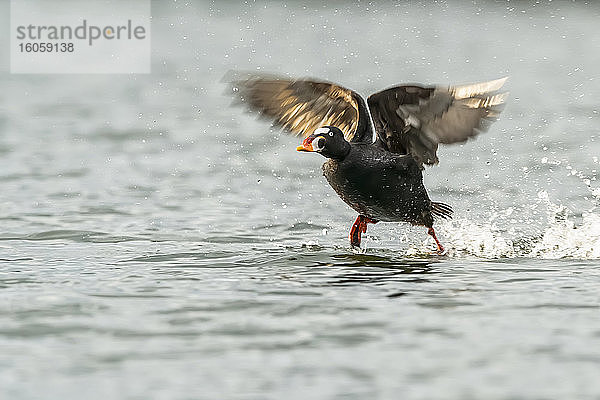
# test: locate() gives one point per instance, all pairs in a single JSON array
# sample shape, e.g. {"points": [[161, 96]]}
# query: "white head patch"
{"points": [[315, 143], [323, 131]]}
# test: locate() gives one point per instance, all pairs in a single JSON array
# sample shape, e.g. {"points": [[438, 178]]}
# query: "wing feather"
{"points": [[414, 120], [298, 106]]}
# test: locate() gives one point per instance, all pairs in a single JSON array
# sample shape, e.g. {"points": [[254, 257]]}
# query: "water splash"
{"points": [[484, 241], [562, 237]]}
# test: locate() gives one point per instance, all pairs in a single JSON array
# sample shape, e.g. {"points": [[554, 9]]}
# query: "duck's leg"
{"points": [[440, 249], [359, 226]]}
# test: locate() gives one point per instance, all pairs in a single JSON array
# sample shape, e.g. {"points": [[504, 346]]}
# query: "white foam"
{"points": [[562, 237], [566, 240], [484, 241]]}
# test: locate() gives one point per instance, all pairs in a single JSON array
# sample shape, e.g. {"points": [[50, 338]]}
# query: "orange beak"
{"points": [[306, 145]]}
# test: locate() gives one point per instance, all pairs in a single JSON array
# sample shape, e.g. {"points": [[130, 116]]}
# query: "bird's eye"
{"points": [[330, 133]]}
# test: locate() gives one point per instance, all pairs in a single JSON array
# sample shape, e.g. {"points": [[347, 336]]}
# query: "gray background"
{"points": [[157, 243]]}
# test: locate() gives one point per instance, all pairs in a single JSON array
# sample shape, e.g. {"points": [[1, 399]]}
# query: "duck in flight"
{"points": [[377, 148]]}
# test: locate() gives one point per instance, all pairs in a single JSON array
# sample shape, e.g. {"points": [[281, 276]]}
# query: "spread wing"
{"points": [[301, 106], [414, 120]]}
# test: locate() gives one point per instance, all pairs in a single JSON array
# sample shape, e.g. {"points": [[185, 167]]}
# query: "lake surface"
{"points": [[156, 243]]}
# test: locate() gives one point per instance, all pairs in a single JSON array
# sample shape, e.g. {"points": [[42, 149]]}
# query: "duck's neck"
{"points": [[341, 153]]}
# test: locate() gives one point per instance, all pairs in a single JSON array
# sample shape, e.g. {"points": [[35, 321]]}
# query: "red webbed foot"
{"points": [[359, 227], [440, 248]]}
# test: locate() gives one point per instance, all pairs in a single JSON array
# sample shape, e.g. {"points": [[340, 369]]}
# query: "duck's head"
{"points": [[329, 141]]}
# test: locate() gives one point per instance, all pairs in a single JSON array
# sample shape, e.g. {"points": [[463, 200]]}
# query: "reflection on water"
{"points": [[369, 269]]}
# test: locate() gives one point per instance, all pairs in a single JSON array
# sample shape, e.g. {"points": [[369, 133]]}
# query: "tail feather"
{"points": [[441, 210]]}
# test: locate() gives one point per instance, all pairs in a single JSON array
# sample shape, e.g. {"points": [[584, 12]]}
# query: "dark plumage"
{"points": [[381, 180]]}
